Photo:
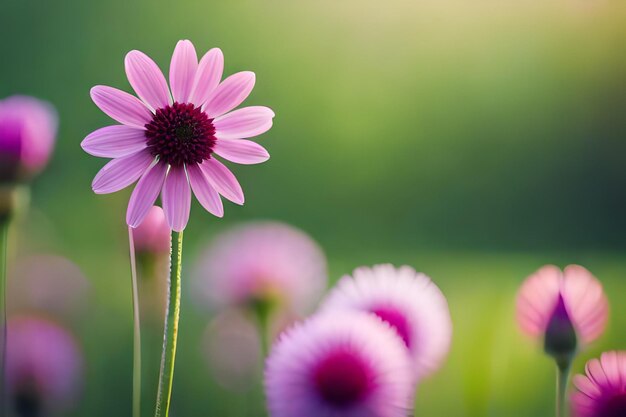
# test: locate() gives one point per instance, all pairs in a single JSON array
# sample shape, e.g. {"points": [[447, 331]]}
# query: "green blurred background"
{"points": [[474, 140]]}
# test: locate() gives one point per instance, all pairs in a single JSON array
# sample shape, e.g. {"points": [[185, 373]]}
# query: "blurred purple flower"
{"points": [[50, 284], [268, 262], [409, 301], [27, 134], [44, 367], [342, 364], [169, 142], [153, 234], [602, 391], [563, 308]]}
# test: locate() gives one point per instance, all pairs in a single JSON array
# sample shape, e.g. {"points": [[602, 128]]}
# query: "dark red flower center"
{"points": [[614, 406], [397, 321], [342, 379], [181, 134]]}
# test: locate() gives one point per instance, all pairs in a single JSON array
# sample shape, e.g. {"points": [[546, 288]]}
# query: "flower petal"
{"points": [[244, 123], [114, 141], [183, 70], [205, 193], [121, 106], [241, 151], [145, 194], [208, 76], [229, 94], [176, 198], [147, 80], [222, 180], [121, 172]]}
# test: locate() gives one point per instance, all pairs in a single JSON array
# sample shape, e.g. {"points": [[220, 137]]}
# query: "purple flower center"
{"points": [[396, 320], [614, 406], [181, 134], [342, 379]]}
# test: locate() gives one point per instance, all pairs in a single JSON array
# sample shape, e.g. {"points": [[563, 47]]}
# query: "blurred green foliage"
{"points": [[473, 140]]}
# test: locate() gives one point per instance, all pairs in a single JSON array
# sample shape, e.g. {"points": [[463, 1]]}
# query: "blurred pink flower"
{"points": [[44, 367], [27, 133], [409, 301], [265, 261], [153, 233], [169, 142], [342, 364], [550, 302], [49, 284], [602, 391]]}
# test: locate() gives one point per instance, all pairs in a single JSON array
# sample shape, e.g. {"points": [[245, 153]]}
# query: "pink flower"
{"points": [[153, 233], [268, 262], [27, 134], [44, 367], [602, 392], [409, 301], [344, 364], [169, 142], [562, 307], [51, 284]]}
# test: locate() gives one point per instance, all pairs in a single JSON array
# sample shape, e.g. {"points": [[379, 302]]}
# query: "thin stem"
{"points": [[4, 237], [136, 329], [170, 331], [562, 375]]}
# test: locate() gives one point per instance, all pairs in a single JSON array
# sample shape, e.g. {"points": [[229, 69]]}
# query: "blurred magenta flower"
{"points": [[602, 391], [409, 301], [152, 236], [48, 283], [564, 308], [169, 142], [265, 262], [44, 367], [344, 364], [27, 133]]}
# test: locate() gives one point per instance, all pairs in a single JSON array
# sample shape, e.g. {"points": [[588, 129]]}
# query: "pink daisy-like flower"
{"points": [[409, 301], [562, 307], [44, 367], [169, 142], [27, 133], [602, 391], [267, 262], [339, 365]]}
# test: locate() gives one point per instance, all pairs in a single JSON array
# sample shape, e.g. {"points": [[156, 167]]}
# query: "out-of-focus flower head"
{"points": [[27, 133], [49, 284], [153, 235], [266, 263], [346, 364], [565, 308], [602, 391], [409, 301], [44, 367]]}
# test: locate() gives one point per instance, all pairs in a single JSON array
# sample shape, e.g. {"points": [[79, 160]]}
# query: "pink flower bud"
{"points": [[27, 134]]}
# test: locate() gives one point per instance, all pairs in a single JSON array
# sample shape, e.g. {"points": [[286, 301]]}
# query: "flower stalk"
{"points": [[136, 328], [170, 331], [562, 375], [4, 236]]}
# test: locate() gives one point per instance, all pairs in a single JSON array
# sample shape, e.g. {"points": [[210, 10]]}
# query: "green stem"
{"points": [[4, 237], [562, 375], [170, 331], [136, 329]]}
